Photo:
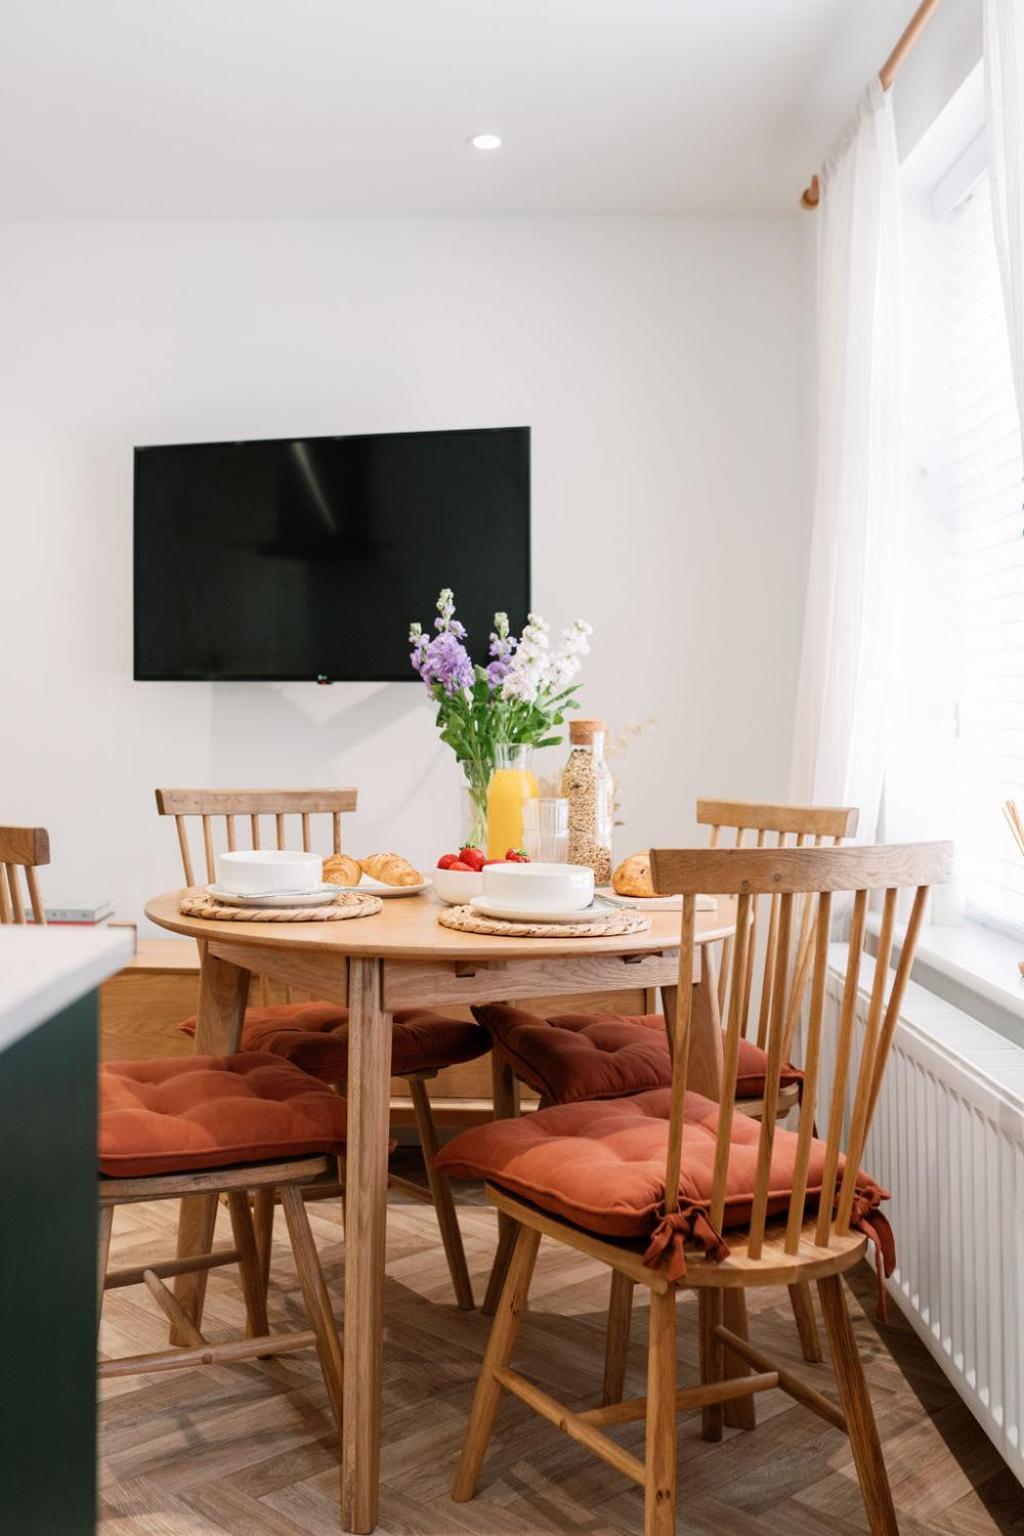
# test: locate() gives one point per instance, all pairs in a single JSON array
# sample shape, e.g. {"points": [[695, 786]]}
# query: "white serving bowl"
{"points": [[543, 887], [265, 871], [457, 885]]}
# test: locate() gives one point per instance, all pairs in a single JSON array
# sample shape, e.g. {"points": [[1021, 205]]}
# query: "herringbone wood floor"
{"points": [[247, 1450]]}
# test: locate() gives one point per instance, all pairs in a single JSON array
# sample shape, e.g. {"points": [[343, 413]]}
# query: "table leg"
{"points": [[366, 1180], [223, 990]]}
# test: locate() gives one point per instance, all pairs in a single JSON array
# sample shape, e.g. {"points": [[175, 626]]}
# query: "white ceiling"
{"points": [[316, 108]]}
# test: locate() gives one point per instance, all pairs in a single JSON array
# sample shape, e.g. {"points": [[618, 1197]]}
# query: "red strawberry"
{"points": [[516, 856], [472, 856], [447, 860], [458, 868], [494, 861]]}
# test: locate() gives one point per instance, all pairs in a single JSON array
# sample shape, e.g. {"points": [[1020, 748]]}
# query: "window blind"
{"points": [[986, 542]]}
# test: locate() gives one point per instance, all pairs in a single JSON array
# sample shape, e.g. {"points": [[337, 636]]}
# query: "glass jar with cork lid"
{"points": [[588, 786]]}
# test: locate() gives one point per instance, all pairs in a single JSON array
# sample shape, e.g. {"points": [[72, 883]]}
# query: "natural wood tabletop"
{"points": [[408, 929]]}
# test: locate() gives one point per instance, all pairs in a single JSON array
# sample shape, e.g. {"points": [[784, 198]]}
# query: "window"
{"points": [[983, 492]]}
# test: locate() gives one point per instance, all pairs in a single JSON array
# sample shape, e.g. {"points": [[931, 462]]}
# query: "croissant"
{"points": [[339, 869], [633, 876], [391, 869]]}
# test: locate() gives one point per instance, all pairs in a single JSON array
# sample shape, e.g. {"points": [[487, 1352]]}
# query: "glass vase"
{"points": [[473, 821], [511, 783]]}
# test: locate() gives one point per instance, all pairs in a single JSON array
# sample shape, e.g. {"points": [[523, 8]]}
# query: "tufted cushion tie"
{"points": [[574, 1056], [173, 1115], [314, 1036], [673, 1232]]}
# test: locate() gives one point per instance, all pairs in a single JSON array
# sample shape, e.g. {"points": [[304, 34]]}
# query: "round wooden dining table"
{"points": [[402, 958]]}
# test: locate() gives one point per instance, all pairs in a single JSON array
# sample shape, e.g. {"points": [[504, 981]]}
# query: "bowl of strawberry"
{"points": [[459, 876]]}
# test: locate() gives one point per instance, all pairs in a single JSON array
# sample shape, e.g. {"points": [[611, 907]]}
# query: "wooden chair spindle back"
{"points": [[789, 826], [208, 804], [23, 848], [811, 877]]}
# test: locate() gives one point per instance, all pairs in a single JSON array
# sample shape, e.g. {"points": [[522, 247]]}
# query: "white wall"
{"points": [[658, 363]]}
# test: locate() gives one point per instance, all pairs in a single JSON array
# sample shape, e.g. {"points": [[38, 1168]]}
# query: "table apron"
{"points": [[408, 984], [324, 975]]}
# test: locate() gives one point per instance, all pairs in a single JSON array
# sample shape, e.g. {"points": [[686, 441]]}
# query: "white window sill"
{"points": [[976, 969]]}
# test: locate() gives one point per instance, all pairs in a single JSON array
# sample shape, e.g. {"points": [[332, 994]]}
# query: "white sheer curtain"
{"points": [[1004, 109], [853, 583]]}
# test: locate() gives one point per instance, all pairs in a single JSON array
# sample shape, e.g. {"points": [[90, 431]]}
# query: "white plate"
{"points": [[655, 903], [315, 898], [488, 908], [368, 887]]}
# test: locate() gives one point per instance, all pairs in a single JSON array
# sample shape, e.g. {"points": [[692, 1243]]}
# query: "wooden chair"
{"points": [[287, 1181], [200, 1127], [788, 826], [23, 848], [283, 1029], [785, 826], [801, 1239]]}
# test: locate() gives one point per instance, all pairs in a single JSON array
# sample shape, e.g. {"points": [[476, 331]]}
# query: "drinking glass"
{"points": [[546, 830], [512, 784]]}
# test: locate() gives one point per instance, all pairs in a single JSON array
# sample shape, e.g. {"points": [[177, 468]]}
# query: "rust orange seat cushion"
{"points": [[601, 1165], [575, 1056], [314, 1036], [174, 1115]]}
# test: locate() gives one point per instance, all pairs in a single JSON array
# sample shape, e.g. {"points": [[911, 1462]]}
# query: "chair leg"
{"points": [[505, 1099], [504, 1330], [263, 1224], [856, 1404], [616, 1349], [499, 1268], [806, 1323], [197, 1220], [660, 1482], [104, 1228], [441, 1189], [740, 1412], [314, 1294], [712, 1357], [250, 1262]]}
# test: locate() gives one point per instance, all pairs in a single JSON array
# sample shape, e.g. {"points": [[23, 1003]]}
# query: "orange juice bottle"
{"points": [[511, 783]]}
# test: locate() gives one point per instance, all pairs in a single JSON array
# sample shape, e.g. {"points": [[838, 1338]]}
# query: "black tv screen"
{"points": [[307, 558]]}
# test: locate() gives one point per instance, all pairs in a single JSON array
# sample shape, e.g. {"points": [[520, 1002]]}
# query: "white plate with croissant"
{"points": [[379, 874], [633, 887]]}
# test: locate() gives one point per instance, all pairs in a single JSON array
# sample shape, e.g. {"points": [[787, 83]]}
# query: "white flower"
{"points": [[566, 661]]}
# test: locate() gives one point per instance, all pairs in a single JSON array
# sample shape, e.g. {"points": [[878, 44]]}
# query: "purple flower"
{"points": [[445, 660], [502, 647]]}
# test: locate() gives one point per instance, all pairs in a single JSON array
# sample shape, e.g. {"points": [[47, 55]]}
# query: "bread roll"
{"points": [[391, 869], [339, 869], [633, 876]]}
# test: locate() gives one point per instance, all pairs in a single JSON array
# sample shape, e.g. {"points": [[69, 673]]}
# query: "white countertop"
{"points": [[42, 970]]}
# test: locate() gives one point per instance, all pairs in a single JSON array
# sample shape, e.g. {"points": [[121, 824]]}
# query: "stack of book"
{"points": [[75, 914]]}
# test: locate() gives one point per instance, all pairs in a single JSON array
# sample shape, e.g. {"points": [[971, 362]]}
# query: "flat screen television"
{"points": [[307, 558]]}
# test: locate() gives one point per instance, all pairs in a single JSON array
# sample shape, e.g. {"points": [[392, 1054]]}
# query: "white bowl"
{"points": [[264, 872], [457, 885], [543, 887]]}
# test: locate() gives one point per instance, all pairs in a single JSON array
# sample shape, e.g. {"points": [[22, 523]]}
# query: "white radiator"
{"points": [[948, 1141]]}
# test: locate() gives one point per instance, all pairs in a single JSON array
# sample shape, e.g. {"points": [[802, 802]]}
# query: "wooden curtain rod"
{"points": [[887, 74]]}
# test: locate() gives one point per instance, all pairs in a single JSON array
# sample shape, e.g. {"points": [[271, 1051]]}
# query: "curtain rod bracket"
{"points": [[887, 74]]}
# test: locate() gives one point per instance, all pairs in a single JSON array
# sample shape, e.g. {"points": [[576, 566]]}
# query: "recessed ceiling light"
{"points": [[485, 141]]}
